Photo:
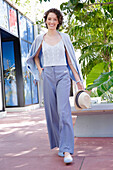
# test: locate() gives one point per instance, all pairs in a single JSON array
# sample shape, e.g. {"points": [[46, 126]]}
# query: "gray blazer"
{"points": [[31, 66]]}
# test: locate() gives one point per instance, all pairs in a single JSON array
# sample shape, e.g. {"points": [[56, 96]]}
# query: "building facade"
{"points": [[16, 36]]}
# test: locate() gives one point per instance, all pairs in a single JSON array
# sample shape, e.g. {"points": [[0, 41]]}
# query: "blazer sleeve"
{"points": [[71, 52], [31, 66]]}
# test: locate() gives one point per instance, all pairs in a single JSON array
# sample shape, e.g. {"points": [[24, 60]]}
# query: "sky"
{"points": [[52, 4]]}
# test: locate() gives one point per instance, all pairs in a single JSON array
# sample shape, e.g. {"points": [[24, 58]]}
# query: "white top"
{"points": [[54, 55]]}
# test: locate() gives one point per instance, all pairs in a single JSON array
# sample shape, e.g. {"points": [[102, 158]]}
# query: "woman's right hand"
{"points": [[40, 71]]}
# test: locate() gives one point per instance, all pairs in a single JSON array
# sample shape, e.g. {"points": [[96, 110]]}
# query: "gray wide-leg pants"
{"points": [[56, 84]]}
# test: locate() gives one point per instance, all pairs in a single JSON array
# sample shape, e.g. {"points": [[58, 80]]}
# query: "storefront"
{"points": [[16, 36]]}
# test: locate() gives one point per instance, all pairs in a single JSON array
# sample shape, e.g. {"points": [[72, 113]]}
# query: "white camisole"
{"points": [[53, 55]]}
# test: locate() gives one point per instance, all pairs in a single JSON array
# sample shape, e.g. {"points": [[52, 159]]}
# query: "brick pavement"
{"points": [[24, 145]]}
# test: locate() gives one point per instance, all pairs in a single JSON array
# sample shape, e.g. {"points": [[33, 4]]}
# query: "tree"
{"points": [[91, 30], [29, 7], [90, 26]]}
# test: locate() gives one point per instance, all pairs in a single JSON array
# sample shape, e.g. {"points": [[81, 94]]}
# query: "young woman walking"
{"points": [[53, 58]]}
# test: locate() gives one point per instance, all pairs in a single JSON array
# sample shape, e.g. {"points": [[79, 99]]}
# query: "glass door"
{"points": [[1, 99], [9, 73]]}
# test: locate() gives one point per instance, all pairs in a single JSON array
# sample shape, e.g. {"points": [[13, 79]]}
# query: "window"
{"points": [[27, 37], [13, 20], [23, 27], [26, 74], [30, 31], [3, 15]]}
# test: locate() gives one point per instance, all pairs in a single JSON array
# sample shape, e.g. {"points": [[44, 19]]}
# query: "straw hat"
{"points": [[82, 100]]}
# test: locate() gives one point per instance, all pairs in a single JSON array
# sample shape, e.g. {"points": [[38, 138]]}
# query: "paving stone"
{"points": [[24, 145]]}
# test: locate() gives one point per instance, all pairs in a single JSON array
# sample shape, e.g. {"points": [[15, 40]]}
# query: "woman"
{"points": [[52, 57]]}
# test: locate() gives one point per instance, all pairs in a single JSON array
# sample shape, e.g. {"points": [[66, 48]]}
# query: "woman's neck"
{"points": [[52, 33]]}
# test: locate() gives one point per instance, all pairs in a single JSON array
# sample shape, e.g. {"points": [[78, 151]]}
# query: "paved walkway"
{"points": [[24, 145]]}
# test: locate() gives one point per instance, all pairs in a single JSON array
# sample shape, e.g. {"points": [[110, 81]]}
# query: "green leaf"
{"points": [[102, 78], [94, 73], [92, 1], [103, 83], [79, 6], [105, 86], [74, 2], [100, 90], [63, 6], [44, 1]]}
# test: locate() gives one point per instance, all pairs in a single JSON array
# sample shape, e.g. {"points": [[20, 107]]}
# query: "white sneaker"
{"points": [[68, 159]]}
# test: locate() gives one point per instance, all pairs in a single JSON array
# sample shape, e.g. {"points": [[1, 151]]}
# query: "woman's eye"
{"points": [[53, 19], [49, 18]]}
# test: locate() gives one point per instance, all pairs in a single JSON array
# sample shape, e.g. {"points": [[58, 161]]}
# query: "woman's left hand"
{"points": [[80, 86]]}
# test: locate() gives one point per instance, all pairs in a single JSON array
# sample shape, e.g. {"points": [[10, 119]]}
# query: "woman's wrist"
{"points": [[80, 85], [78, 81]]}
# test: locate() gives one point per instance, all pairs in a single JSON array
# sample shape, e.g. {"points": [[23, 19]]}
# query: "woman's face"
{"points": [[52, 21]]}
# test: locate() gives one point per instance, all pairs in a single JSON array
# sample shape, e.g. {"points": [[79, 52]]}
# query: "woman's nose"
{"points": [[52, 21]]}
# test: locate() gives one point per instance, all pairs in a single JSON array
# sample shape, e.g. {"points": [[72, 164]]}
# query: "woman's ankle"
{"points": [[67, 154]]}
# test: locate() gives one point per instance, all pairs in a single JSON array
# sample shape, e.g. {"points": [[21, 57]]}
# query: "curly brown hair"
{"points": [[58, 14]]}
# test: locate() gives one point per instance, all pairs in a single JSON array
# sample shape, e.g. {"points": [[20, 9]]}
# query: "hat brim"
{"points": [[76, 107]]}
